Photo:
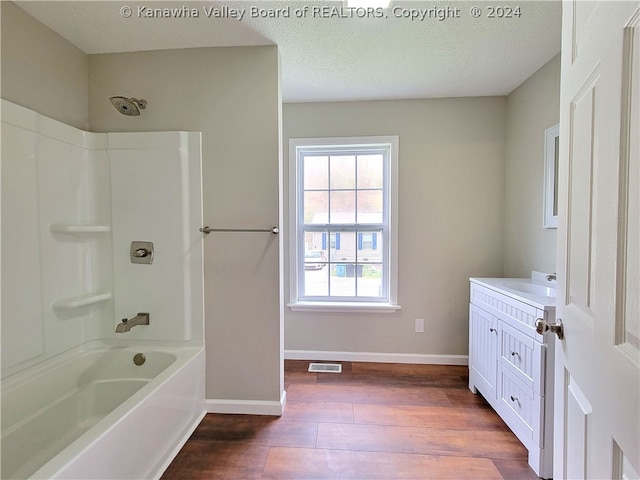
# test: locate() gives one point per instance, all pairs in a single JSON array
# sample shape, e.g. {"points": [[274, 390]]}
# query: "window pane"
{"points": [[316, 246], [369, 280], [370, 168], [316, 266], [343, 206], [343, 281], [315, 207], [316, 173], [370, 206], [343, 247], [370, 247], [343, 171], [316, 282]]}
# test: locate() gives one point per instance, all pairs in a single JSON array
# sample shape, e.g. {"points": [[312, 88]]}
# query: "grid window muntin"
{"points": [[365, 229]]}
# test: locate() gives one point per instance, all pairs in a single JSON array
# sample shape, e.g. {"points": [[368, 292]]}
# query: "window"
{"points": [[343, 223]]}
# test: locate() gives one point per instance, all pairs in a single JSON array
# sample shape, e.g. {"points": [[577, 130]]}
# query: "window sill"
{"points": [[343, 307]]}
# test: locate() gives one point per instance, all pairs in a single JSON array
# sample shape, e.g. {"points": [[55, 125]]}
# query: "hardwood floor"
{"points": [[373, 421]]}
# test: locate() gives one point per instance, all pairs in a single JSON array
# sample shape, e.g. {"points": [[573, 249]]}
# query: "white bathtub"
{"points": [[91, 413]]}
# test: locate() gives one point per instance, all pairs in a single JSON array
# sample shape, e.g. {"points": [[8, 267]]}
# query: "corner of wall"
{"points": [[41, 70], [531, 108]]}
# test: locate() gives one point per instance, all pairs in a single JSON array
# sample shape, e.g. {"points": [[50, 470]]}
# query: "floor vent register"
{"points": [[325, 367]]}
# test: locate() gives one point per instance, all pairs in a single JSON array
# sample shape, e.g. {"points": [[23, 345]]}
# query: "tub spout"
{"points": [[128, 324]]}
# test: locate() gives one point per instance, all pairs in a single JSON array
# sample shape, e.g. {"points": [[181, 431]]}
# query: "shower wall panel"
{"points": [[22, 325], [72, 203], [50, 241], [156, 197]]}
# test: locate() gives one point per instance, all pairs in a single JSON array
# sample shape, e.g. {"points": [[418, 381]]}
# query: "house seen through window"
{"points": [[344, 219]]}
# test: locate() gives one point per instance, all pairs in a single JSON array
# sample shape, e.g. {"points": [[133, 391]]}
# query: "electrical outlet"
{"points": [[419, 325]]}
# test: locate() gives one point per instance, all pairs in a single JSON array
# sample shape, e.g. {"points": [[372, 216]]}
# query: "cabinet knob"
{"points": [[515, 399], [492, 329], [515, 354]]}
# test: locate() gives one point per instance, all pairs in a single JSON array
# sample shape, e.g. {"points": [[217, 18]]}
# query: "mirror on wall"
{"points": [[551, 144]]}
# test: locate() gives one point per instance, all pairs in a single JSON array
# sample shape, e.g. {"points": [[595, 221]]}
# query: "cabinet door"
{"points": [[483, 352]]}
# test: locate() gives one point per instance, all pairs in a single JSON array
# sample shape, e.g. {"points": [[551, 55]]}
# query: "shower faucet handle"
{"points": [[141, 252]]}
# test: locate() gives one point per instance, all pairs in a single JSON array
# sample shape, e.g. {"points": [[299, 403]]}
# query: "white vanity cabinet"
{"points": [[511, 365]]}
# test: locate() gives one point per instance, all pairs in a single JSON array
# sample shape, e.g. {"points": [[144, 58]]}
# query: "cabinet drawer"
{"points": [[523, 356], [521, 409]]}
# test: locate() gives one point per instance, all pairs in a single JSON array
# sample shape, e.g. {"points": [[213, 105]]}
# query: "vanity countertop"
{"points": [[537, 291]]}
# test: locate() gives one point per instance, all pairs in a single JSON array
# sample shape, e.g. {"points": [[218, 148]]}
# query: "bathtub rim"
{"points": [[186, 353], [25, 371]]}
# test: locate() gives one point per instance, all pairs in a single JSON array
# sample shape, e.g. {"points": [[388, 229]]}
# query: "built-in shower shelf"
{"points": [[79, 230], [82, 301]]}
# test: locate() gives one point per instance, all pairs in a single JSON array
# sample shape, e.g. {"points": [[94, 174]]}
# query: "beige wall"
{"points": [[451, 217], [532, 108], [41, 70], [232, 96]]}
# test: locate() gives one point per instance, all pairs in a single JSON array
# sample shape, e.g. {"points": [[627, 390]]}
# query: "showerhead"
{"points": [[128, 106]]}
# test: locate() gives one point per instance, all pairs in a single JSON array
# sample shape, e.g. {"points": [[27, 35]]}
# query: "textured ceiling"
{"points": [[332, 54]]}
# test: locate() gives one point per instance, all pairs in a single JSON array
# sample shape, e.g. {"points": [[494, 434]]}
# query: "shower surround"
{"points": [[72, 203]]}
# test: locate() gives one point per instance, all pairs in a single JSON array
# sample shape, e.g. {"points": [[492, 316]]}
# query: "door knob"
{"points": [[543, 327]]}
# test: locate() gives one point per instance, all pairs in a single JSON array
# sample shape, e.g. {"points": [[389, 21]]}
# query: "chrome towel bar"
{"points": [[207, 230]]}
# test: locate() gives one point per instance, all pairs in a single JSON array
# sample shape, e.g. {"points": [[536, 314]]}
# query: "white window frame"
{"points": [[296, 252]]}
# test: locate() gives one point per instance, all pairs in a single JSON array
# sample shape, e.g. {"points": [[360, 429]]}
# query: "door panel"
{"points": [[597, 371], [578, 410], [580, 208], [628, 292]]}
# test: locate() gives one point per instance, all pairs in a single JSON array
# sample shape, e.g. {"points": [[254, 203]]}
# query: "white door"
{"points": [[597, 408]]}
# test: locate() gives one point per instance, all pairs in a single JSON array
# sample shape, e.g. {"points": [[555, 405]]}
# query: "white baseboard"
{"points": [[247, 407], [376, 357]]}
